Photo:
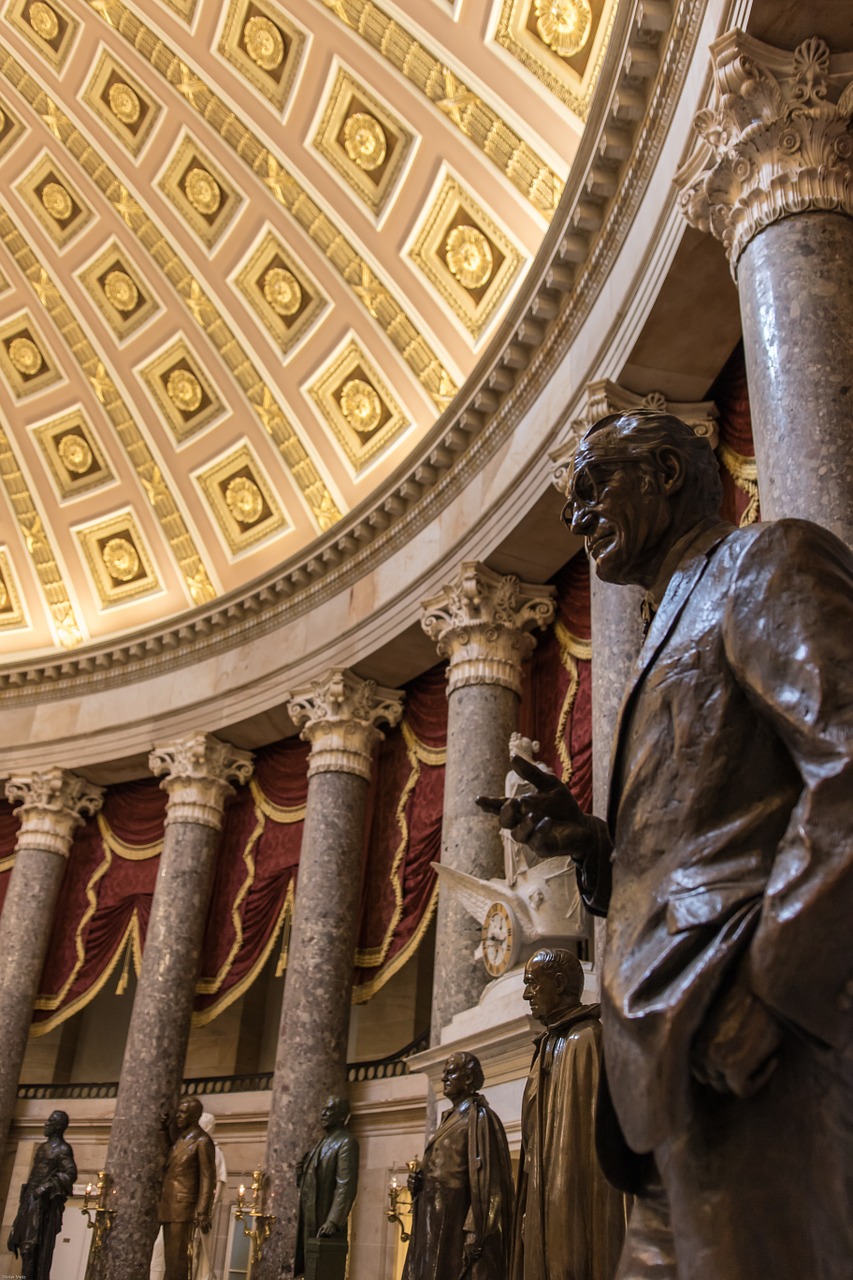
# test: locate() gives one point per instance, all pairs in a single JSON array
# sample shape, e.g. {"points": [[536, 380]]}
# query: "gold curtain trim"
{"points": [[744, 472], [42, 1028], [203, 1016], [131, 852], [7, 863], [365, 991], [53, 1002], [571, 648], [209, 986], [265, 806]]}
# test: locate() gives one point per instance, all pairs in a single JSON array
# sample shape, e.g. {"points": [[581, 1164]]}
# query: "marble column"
{"points": [[197, 772], [339, 715], [51, 805], [773, 180], [481, 622]]}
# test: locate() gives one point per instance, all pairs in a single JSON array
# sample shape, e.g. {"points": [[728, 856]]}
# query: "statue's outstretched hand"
{"points": [[550, 822], [415, 1182]]}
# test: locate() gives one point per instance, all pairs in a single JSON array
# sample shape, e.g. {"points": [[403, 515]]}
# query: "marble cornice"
{"points": [[628, 125]]}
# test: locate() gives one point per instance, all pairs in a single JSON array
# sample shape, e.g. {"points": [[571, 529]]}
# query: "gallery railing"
{"points": [[396, 1064]]}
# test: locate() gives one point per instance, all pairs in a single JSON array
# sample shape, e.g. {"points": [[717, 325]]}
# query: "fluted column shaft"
{"points": [[481, 622], [52, 804], [339, 714], [196, 772], [773, 179]]}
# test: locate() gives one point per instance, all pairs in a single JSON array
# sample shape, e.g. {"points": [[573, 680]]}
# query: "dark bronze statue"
{"points": [[327, 1177], [725, 868], [189, 1183], [462, 1195], [43, 1195], [569, 1220]]}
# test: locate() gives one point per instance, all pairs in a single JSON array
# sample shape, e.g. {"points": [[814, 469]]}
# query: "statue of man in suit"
{"points": [[725, 868], [327, 1177], [189, 1183], [39, 1217]]}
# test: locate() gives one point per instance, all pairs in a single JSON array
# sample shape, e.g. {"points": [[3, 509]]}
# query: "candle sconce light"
{"points": [[260, 1224], [400, 1201], [99, 1218]]}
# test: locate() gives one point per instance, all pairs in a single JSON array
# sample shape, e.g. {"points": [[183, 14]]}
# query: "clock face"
{"points": [[500, 940]]}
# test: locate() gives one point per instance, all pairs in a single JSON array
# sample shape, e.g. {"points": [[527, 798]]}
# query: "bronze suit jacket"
{"points": [[327, 1189], [730, 801], [190, 1179]]}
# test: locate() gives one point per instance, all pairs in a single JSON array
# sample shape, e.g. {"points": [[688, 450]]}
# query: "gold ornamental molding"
{"points": [[48, 27], [54, 200], [357, 406], [777, 141], [206, 315], [74, 454], [66, 627], [560, 42], [242, 498], [12, 616], [193, 570], [183, 390], [118, 558], [289, 193], [471, 115], [558, 293], [264, 45]]}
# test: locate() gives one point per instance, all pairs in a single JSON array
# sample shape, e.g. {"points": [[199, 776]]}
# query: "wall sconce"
{"points": [[103, 1217], [400, 1200], [261, 1222]]}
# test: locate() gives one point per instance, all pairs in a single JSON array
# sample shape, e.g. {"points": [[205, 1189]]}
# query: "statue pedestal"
{"points": [[326, 1259]]}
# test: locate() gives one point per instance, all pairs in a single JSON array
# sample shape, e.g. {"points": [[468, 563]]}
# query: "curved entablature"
{"points": [[473, 475]]}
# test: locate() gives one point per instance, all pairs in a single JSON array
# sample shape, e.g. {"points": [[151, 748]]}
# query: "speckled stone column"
{"points": [[196, 773], [481, 622], [52, 804], [774, 181], [617, 633], [340, 715]]}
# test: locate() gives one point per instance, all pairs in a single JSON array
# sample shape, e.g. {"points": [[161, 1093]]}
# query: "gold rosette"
{"points": [[244, 500], [124, 103], [57, 201], [468, 254], [282, 291], [564, 25], [365, 141], [203, 191], [264, 43], [184, 390], [121, 559], [121, 291], [361, 405], [43, 20], [25, 356], [75, 454]]}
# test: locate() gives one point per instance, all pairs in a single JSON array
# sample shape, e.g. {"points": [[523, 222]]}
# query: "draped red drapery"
{"points": [[736, 449], [106, 895]]}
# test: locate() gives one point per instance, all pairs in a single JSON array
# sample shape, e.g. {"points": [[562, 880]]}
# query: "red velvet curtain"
{"points": [[8, 836], [736, 449]]}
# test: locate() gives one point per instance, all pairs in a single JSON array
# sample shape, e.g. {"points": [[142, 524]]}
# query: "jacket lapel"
{"points": [[681, 587]]}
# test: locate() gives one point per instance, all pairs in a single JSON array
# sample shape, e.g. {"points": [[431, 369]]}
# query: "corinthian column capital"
{"points": [[481, 621], [53, 803], [197, 772], [339, 715], [777, 141]]}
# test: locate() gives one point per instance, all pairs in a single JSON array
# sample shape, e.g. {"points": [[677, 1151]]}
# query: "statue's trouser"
{"points": [[762, 1186], [177, 1248]]}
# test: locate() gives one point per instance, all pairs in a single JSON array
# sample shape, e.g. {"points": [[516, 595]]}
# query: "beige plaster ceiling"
{"points": [[249, 254]]}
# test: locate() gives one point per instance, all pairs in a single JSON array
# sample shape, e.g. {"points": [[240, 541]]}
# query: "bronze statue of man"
{"points": [[39, 1217], [725, 867], [462, 1195], [569, 1220], [327, 1177], [189, 1183]]}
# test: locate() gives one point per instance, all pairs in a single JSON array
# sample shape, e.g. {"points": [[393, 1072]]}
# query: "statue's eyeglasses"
{"points": [[585, 490]]}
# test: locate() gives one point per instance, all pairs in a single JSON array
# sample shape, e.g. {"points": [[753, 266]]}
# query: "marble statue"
{"points": [[462, 1195], [569, 1220], [725, 868], [189, 1183], [42, 1200], [327, 1177]]}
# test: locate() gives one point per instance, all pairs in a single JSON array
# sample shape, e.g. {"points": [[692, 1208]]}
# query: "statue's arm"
{"points": [[346, 1184], [787, 630]]}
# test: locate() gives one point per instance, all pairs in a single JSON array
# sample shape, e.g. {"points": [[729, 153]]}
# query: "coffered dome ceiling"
{"points": [[250, 254]]}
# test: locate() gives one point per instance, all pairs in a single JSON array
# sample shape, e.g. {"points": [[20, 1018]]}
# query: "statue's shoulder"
{"points": [[765, 554]]}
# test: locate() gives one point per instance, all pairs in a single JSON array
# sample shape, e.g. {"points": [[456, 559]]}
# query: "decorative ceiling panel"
{"points": [[209, 252]]}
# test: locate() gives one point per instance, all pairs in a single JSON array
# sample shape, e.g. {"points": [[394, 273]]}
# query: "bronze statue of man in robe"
{"points": [[39, 1217], [462, 1195], [725, 867], [569, 1220]]}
